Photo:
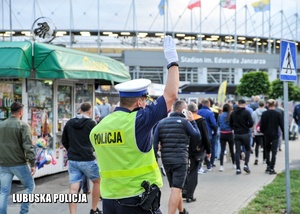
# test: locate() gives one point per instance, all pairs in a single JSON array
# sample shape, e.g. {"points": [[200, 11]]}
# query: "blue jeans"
{"points": [[78, 168], [6, 175]]}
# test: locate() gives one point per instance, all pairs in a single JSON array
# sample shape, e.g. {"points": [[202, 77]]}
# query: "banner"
{"points": [[261, 6], [194, 3], [161, 7], [229, 4], [222, 93]]}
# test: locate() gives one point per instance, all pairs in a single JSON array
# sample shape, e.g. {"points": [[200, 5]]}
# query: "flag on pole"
{"points": [[229, 4], [261, 6], [194, 3], [222, 92], [161, 7]]}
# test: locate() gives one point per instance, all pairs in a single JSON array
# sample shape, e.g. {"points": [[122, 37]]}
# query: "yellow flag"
{"points": [[222, 92]]}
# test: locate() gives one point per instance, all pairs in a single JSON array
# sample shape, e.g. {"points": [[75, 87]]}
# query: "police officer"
{"points": [[122, 140]]}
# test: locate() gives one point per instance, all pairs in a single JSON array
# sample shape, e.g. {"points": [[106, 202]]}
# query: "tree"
{"points": [[254, 83], [277, 90]]}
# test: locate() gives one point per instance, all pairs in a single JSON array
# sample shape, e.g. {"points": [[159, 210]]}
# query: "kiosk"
{"points": [[51, 82]]}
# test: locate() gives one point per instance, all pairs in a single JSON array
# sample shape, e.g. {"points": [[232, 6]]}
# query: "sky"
{"points": [[119, 15]]}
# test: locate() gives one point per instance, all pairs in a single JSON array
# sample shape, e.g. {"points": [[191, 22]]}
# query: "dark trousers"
{"points": [[213, 149], [192, 177], [260, 141], [125, 206], [224, 138], [242, 140], [271, 146]]}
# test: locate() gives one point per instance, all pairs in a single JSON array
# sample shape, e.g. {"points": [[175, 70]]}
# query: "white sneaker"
{"points": [[221, 169], [201, 171], [233, 166]]}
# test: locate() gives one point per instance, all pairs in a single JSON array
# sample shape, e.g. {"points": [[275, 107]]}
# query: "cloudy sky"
{"points": [[119, 15]]}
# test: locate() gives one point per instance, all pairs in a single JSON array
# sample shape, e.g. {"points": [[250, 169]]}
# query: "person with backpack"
{"points": [[198, 149], [259, 137]]}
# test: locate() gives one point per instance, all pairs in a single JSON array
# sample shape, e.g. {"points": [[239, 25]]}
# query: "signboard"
{"points": [[288, 68]]}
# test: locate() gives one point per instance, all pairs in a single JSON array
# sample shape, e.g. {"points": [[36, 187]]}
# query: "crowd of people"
{"points": [[119, 151]]}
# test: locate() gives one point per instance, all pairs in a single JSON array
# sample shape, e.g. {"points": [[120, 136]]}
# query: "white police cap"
{"points": [[133, 88]]}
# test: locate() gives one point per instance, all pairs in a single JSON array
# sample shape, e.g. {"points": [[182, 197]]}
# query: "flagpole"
{"points": [[134, 25], [246, 20], [71, 21], [200, 34], [10, 21], [220, 17], [167, 15], [263, 26], [235, 36], [269, 42], [191, 27], [98, 25]]}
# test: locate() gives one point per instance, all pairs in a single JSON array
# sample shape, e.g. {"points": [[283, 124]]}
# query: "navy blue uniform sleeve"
{"points": [[146, 119]]}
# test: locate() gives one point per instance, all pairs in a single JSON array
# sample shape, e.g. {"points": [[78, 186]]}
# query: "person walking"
{"points": [[104, 108], [270, 121], [296, 116], [198, 149], [123, 143], [258, 135], [226, 134], [241, 121], [281, 111], [211, 123], [16, 150], [173, 134], [75, 139]]}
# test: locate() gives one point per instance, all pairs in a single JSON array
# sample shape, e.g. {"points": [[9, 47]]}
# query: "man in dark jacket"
{"points": [[270, 122], [241, 121], [173, 134], [197, 150], [76, 140]]}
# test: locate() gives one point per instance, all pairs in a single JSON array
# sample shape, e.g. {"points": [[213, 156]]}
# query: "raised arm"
{"points": [[172, 83]]}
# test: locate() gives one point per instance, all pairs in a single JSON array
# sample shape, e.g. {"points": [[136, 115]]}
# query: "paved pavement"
{"points": [[217, 192]]}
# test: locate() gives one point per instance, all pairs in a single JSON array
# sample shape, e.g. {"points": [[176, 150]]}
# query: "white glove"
{"points": [[170, 50]]}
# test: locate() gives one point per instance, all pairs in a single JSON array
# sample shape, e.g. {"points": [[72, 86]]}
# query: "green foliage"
{"points": [[277, 90], [296, 94], [254, 83], [272, 199]]}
